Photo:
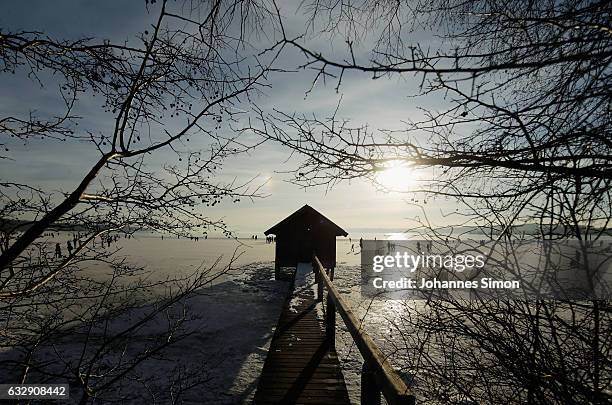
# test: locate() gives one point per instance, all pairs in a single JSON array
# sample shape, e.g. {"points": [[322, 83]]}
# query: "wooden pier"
{"points": [[302, 366]]}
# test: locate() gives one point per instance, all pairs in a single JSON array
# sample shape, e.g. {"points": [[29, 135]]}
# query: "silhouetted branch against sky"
{"points": [[141, 117], [178, 79], [523, 90]]}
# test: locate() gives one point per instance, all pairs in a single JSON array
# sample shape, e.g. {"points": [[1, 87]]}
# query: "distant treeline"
{"points": [[516, 230], [9, 224], [524, 229]]}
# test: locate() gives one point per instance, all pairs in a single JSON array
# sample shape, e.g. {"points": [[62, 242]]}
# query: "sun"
{"points": [[397, 176]]}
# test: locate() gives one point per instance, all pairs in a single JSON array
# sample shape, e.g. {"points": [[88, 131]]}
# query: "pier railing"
{"points": [[378, 376]]}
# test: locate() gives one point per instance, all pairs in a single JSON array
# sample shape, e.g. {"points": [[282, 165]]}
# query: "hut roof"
{"points": [[310, 215]]}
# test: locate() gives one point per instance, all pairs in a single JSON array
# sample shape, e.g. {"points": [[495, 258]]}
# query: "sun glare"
{"points": [[396, 176]]}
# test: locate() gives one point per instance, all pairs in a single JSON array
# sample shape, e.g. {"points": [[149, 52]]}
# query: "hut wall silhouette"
{"points": [[302, 234]]}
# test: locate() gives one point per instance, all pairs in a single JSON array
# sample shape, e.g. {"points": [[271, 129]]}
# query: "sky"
{"points": [[357, 206]]}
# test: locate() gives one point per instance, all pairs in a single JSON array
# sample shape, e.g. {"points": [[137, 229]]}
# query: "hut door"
{"points": [[305, 248]]}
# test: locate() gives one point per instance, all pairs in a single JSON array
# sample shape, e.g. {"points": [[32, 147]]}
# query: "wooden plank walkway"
{"points": [[302, 366]]}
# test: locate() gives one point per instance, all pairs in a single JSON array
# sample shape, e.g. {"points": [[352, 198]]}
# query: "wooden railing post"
{"points": [[330, 326], [318, 279], [320, 290], [330, 321], [370, 393]]}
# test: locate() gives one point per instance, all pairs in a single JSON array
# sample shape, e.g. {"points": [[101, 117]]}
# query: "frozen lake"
{"points": [[232, 320], [235, 315]]}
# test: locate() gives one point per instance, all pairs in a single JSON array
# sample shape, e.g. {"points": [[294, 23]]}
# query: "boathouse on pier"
{"points": [[303, 233]]}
